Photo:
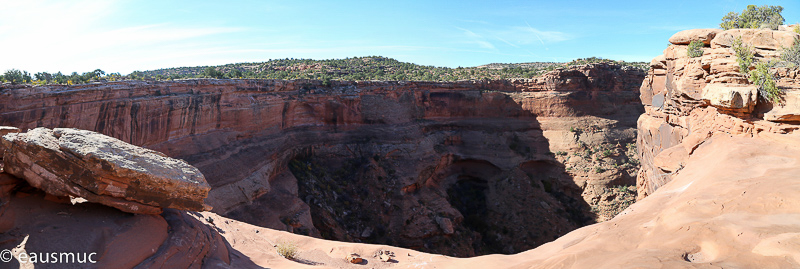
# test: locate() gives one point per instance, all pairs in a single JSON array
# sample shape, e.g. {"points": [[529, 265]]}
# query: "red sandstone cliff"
{"points": [[374, 161]]}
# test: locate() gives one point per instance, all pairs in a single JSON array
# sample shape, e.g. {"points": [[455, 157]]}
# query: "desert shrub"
{"points": [[767, 89], [696, 48], [754, 17], [792, 53], [744, 55], [760, 76], [16, 77], [286, 249]]}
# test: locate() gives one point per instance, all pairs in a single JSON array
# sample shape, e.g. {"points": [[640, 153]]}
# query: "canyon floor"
{"points": [[735, 205]]}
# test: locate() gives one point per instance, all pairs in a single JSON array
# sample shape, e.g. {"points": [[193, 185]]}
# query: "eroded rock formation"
{"points": [[381, 161], [688, 100]]}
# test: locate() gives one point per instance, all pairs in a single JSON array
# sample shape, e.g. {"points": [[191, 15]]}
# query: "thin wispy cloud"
{"points": [[542, 36], [477, 39], [507, 43], [514, 36]]}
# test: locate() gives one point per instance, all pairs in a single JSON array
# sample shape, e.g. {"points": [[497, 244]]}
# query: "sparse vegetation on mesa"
{"points": [[754, 17], [358, 68], [367, 68], [15, 76]]}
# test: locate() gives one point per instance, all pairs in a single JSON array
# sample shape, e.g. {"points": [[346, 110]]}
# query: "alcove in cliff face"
{"points": [[461, 190], [468, 196]]}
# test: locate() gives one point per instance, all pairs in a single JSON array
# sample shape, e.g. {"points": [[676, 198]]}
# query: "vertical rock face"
{"points": [[337, 161], [688, 99], [102, 169]]}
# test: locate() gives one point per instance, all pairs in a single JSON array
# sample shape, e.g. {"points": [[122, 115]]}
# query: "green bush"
{"points": [[792, 53], [760, 76], [744, 55], [754, 17], [767, 89], [696, 49], [211, 72], [16, 76]]}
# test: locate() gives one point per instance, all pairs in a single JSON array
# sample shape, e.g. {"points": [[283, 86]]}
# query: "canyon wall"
{"points": [[461, 168], [718, 184], [689, 99], [718, 181]]}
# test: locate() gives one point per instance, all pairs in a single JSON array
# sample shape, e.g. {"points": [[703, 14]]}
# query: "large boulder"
{"points": [[105, 170], [687, 36], [788, 110], [731, 96]]}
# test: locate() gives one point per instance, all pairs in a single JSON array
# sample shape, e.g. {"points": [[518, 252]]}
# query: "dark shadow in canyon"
{"points": [[477, 185]]}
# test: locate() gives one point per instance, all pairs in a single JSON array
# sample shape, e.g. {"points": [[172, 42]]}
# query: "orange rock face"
{"points": [[690, 99]]}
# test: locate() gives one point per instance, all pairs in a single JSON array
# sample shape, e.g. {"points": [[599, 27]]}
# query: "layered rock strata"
{"points": [[689, 99], [381, 161]]}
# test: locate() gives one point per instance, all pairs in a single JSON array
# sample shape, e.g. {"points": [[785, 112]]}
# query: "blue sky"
{"points": [[125, 35]]}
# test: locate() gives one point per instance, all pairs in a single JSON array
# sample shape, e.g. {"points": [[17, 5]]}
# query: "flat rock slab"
{"points": [[105, 170]]}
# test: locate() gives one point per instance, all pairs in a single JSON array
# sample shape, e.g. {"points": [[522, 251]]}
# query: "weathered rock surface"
{"points": [[758, 38], [734, 97], [174, 239], [332, 161], [101, 169], [4, 130], [687, 36], [688, 100]]}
